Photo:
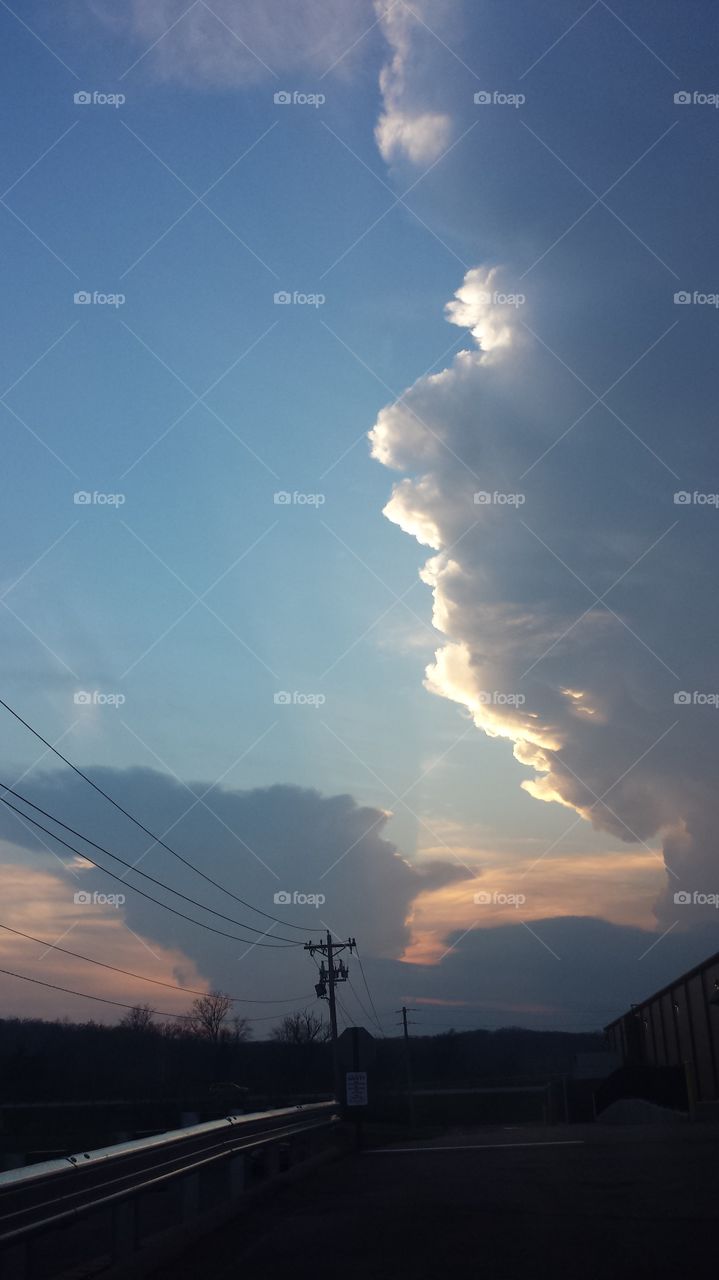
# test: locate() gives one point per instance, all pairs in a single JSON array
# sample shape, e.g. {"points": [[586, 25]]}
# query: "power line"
{"points": [[345, 1015], [163, 1013], [165, 905], [367, 1015], [369, 994], [130, 866], [54, 946], [119, 1004], [141, 825]]}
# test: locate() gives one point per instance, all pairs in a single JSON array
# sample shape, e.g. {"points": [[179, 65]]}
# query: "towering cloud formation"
{"points": [[550, 580]]}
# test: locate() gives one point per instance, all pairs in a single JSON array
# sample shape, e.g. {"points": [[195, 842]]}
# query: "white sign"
{"points": [[356, 1088]]}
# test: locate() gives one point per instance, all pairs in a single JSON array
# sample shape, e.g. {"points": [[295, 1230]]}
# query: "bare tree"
{"points": [[241, 1030], [176, 1030], [139, 1018], [208, 1014], [302, 1028]]}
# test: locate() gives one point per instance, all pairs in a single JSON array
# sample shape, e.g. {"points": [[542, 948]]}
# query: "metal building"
{"points": [[676, 1026]]}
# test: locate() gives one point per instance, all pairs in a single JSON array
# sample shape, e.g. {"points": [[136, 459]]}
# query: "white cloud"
{"points": [[584, 693], [410, 508], [233, 43], [420, 138], [490, 312], [406, 130]]}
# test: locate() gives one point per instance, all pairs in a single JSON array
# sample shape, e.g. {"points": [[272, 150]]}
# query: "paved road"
{"points": [[509, 1204]]}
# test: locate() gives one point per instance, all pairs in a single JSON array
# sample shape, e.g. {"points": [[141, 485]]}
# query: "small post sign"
{"points": [[356, 1088]]}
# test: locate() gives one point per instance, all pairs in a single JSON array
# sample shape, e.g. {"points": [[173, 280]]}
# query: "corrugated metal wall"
{"points": [[674, 1026]]}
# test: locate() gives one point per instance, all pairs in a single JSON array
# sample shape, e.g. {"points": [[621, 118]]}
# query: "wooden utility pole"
{"points": [[408, 1064], [333, 1015], [325, 988]]}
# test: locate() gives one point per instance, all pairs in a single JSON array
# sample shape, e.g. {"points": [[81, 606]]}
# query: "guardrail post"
{"points": [[124, 1230]]}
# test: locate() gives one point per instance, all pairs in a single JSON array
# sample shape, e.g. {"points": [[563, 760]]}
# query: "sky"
{"points": [[360, 502]]}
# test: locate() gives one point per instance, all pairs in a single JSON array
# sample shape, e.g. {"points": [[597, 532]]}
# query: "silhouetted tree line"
{"points": [[508, 1054], [212, 1053]]}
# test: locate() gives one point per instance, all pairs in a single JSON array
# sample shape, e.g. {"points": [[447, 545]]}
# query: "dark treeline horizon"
{"points": [[57, 1061]]}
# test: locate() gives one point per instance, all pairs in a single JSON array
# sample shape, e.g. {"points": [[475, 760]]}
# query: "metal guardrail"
{"points": [[119, 1205]]}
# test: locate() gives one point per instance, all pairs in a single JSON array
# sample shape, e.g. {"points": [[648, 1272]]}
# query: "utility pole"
{"points": [[325, 988], [408, 1063], [333, 1007]]}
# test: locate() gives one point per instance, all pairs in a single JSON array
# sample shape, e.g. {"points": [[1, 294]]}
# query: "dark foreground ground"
{"points": [[508, 1204]]}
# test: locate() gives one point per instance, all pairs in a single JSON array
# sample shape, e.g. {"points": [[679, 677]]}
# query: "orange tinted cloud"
{"points": [[620, 887], [41, 903]]}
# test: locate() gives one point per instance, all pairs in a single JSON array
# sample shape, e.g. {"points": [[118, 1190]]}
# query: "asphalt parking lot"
{"points": [[572, 1201]]}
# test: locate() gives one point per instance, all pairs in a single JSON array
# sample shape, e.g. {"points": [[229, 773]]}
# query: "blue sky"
{"points": [[197, 399], [198, 498]]}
